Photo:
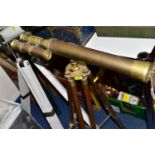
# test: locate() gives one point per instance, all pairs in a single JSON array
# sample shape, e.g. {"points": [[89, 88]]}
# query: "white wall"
{"points": [[128, 47]]}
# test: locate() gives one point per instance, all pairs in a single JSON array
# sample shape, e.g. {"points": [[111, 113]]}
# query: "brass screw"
{"points": [[74, 66], [67, 73]]}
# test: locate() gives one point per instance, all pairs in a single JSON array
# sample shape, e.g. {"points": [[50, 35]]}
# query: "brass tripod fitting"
{"points": [[76, 70]]}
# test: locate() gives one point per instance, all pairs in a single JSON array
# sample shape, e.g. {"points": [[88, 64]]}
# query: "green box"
{"points": [[124, 107]]}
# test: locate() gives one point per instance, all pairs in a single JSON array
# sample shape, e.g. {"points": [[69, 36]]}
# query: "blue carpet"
{"points": [[129, 121]]}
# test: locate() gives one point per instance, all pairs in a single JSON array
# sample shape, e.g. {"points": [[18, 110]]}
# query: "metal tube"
{"points": [[134, 68], [31, 49]]}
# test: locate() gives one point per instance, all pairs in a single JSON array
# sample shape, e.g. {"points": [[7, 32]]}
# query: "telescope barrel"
{"points": [[133, 68], [31, 49]]}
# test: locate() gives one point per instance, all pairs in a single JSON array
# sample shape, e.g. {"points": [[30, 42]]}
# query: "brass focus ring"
{"points": [[30, 50]]}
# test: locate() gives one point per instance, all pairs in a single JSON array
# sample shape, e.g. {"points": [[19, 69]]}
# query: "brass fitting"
{"points": [[35, 40], [141, 70], [77, 71], [31, 49]]}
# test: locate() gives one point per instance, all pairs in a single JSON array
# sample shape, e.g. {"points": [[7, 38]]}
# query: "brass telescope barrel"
{"points": [[134, 68], [31, 49]]}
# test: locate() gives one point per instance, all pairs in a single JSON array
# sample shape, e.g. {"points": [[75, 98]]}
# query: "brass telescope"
{"points": [[31, 49], [136, 69]]}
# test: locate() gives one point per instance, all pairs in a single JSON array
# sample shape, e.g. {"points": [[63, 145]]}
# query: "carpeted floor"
{"points": [[62, 110]]}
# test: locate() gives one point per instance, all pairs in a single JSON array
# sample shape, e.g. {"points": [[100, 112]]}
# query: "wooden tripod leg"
{"points": [[104, 102], [77, 104], [71, 107], [150, 114], [89, 103]]}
